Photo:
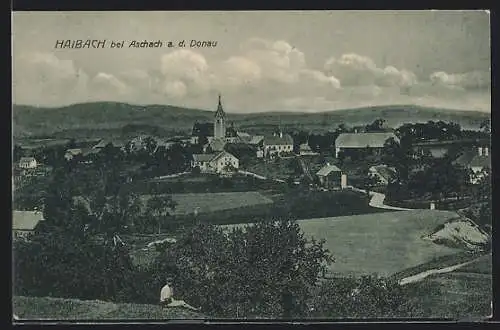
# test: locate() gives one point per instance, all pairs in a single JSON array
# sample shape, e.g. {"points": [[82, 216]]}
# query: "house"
{"points": [[25, 223], [84, 152], [476, 160], [383, 173], [71, 153], [220, 162], [28, 163], [277, 143], [360, 141], [305, 150], [331, 177]]}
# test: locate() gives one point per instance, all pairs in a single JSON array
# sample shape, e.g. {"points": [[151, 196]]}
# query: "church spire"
{"points": [[220, 110]]}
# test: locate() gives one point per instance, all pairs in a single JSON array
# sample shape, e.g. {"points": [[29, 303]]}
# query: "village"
{"points": [[225, 177]]}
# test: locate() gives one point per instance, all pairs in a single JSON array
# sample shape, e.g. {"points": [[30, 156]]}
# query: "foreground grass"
{"points": [[46, 308], [462, 296]]}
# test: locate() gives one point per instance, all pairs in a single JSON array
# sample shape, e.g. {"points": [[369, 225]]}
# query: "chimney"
{"points": [[485, 151], [480, 151]]}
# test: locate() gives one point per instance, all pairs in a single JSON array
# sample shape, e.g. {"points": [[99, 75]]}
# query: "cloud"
{"points": [[468, 80], [263, 75], [357, 70]]}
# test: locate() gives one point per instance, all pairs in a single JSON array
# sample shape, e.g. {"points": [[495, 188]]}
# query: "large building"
{"points": [[359, 141], [277, 144]]}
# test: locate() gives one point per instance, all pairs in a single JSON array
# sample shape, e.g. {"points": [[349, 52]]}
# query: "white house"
{"points": [[331, 177], [24, 223], [477, 161], [359, 141], [220, 162], [277, 144], [28, 163]]}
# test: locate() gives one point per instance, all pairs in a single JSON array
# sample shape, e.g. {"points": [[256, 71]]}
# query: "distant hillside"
{"points": [[91, 119], [46, 308]]}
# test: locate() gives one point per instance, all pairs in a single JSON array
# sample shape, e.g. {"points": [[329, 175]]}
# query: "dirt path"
{"points": [[260, 176], [377, 200], [420, 276]]}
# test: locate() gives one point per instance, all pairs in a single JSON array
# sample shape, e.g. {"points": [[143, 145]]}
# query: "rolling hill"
{"points": [[96, 119]]}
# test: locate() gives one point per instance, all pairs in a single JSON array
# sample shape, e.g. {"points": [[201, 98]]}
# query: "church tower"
{"points": [[220, 122]]}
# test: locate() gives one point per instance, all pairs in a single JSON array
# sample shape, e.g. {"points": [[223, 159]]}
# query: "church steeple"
{"points": [[220, 121]]}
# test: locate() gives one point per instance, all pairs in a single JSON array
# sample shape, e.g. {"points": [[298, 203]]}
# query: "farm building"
{"points": [[477, 161], [383, 173], [305, 149], [331, 177], [28, 163], [277, 143], [439, 149], [360, 141], [24, 223], [220, 162]]}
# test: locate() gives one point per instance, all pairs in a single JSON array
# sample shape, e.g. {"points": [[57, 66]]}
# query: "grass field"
{"points": [[383, 243], [211, 202], [462, 296], [45, 308]]}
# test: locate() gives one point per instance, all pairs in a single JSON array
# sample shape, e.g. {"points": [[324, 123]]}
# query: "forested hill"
{"points": [[29, 120]]}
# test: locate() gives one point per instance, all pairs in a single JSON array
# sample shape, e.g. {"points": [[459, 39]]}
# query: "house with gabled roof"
{"points": [[331, 177], [24, 223], [358, 141], [220, 162]]}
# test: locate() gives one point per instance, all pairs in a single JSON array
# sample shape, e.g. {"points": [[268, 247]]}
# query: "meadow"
{"points": [[383, 243], [47, 308], [212, 202]]}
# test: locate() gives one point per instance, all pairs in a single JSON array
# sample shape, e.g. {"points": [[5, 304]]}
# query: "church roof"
{"points": [[220, 111]]}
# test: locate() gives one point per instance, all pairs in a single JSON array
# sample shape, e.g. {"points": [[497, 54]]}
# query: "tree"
{"points": [[376, 126], [160, 208], [268, 269]]}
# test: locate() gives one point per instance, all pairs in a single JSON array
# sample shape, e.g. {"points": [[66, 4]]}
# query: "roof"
{"points": [[26, 220], [277, 140], [481, 161], [203, 157], [27, 159], [114, 143], [220, 111], [384, 171], [470, 158], [217, 144], [242, 134], [363, 140], [327, 169], [305, 147], [206, 129], [74, 152], [223, 153]]}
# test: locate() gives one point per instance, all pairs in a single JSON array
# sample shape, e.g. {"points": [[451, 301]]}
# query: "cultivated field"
{"points": [[383, 243], [45, 308], [211, 202]]}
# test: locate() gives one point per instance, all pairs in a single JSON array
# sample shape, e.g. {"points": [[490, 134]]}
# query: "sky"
{"points": [[306, 61]]}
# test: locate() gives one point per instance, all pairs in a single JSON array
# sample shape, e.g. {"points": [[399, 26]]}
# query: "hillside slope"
{"points": [[47, 308], [30, 120]]}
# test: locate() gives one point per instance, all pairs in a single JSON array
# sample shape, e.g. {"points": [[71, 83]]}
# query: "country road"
{"points": [[420, 276]]}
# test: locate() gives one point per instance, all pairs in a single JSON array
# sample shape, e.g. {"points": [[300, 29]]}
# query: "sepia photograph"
{"points": [[244, 165]]}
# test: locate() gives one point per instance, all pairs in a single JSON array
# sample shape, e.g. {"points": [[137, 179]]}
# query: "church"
{"points": [[217, 131]]}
